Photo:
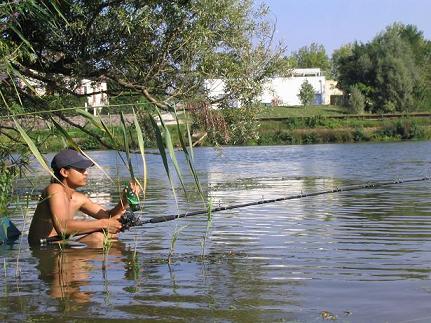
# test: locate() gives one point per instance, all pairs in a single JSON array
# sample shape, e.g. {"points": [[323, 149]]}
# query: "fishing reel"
{"points": [[128, 220]]}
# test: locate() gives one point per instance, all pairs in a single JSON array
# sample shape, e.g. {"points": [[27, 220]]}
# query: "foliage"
{"points": [[403, 129], [313, 56], [236, 126], [356, 101], [338, 57], [388, 70], [6, 176], [306, 93], [150, 53], [210, 121], [242, 124], [162, 50], [284, 112]]}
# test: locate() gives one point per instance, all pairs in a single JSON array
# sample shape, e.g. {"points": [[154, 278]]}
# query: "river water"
{"points": [[357, 256]]}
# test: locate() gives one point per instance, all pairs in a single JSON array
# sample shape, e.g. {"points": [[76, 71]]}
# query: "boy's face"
{"points": [[75, 177]]}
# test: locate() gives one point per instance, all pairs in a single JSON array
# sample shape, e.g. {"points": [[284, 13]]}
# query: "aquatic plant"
{"points": [[24, 211], [208, 227], [5, 268], [107, 242], [174, 238], [6, 176]]}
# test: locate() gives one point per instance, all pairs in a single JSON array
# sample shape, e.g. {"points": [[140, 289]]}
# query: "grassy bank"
{"points": [[278, 126], [309, 111], [320, 129]]}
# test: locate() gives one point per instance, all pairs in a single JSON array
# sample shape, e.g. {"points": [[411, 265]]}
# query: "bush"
{"points": [[403, 129], [356, 101], [359, 135]]}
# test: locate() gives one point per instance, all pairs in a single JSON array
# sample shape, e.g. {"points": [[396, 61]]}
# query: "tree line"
{"points": [[390, 73]]}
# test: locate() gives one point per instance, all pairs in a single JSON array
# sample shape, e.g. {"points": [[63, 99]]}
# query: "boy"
{"points": [[54, 215]]}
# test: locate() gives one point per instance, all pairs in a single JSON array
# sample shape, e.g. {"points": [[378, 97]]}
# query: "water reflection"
{"points": [[68, 270]]}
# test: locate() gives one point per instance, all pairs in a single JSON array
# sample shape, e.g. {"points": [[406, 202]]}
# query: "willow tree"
{"points": [[162, 50]]}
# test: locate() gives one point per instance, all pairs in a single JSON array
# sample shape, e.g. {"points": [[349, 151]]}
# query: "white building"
{"points": [[280, 90], [285, 90], [95, 91]]}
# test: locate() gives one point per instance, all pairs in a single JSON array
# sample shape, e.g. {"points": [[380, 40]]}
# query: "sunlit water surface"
{"points": [[362, 256]]}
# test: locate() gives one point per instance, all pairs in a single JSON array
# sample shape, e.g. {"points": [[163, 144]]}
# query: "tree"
{"points": [[338, 56], [162, 50], [356, 101], [306, 93], [385, 70], [313, 56]]}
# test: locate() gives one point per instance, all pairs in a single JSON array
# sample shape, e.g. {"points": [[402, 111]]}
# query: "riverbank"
{"points": [[320, 129], [276, 126]]}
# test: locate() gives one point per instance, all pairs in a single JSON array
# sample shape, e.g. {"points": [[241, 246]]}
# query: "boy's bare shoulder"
{"points": [[58, 190], [55, 188]]}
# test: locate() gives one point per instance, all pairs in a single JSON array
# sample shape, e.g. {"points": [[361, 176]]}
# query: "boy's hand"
{"points": [[134, 186], [113, 225]]}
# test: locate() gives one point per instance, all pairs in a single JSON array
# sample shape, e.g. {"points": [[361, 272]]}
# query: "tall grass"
{"points": [[208, 227], [174, 241]]}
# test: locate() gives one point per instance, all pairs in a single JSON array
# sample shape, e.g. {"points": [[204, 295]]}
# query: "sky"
{"points": [[334, 23]]}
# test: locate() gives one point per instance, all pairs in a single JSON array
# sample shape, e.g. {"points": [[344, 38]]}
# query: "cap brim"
{"points": [[82, 164]]}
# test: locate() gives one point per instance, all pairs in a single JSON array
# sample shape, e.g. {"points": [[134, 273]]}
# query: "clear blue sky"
{"points": [[334, 23]]}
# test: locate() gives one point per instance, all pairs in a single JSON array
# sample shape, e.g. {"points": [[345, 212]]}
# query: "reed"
{"points": [[5, 269], [24, 212], [174, 239], [208, 227], [107, 242], [124, 147]]}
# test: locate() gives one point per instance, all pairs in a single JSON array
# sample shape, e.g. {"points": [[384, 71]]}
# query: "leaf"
{"points": [[188, 157], [189, 136], [141, 149], [161, 147], [126, 147], [36, 153], [16, 31], [170, 147], [87, 115]]}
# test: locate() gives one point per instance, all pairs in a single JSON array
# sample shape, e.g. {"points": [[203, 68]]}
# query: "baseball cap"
{"points": [[70, 158]]}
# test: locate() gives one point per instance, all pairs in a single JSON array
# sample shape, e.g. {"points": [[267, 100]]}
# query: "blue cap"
{"points": [[70, 158]]}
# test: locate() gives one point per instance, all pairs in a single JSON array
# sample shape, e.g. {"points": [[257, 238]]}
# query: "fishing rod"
{"points": [[130, 219]]}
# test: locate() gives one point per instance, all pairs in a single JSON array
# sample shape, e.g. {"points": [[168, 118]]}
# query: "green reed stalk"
{"points": [[170, 147], [107, 242], [209, 223], [174, 241], [126, 146], [31, 145], [142, 151], [189, 157], [161, 147]]}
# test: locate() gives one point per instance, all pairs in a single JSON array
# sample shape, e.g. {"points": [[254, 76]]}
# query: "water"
{"points": [[363, 256]]}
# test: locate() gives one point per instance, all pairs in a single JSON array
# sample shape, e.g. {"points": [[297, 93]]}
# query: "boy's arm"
{"points": [[62, 215], [98, 212]]}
